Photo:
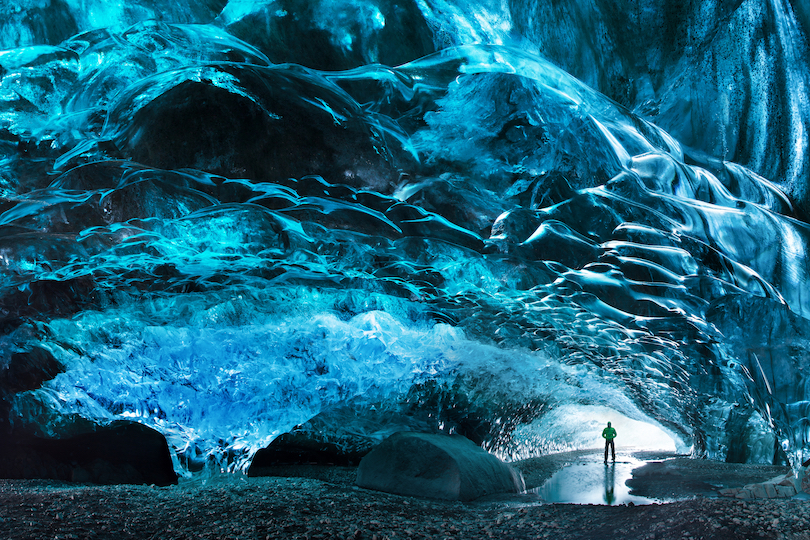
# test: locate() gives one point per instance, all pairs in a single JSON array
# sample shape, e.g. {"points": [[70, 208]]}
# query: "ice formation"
{"points": [[227, 219]]}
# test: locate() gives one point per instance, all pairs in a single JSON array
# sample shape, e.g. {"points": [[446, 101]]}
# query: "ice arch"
{"points": [[221, 231]]}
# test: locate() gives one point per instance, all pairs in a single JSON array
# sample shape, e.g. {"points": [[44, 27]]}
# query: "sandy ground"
{"points": [[322, 502]]}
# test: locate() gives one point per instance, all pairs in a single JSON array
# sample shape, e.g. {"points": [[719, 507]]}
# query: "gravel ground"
{"points": [[322, 502]]}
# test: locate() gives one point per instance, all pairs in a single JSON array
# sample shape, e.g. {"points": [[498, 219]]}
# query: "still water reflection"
{"points": [[593, 482]]}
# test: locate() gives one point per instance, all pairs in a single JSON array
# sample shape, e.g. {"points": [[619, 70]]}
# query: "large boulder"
{"points": [[122, 452], [436, 466], [300, 448]]}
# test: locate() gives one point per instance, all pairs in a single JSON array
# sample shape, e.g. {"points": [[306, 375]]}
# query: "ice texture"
{"points": [[230, 219]]}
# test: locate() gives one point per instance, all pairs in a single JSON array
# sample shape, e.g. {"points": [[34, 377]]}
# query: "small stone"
{"points": [[743, 494]]}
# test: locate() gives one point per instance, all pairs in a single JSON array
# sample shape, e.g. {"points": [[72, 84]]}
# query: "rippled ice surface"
{"points": [[225, 235]]}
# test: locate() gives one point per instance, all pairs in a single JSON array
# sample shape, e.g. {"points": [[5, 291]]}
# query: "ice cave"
{"points": [[236, 222]]}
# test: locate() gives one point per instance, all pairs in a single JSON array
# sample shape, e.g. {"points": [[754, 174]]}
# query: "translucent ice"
{"points": [[234, 220]]}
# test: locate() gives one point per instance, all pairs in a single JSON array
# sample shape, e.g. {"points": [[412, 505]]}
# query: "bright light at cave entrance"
{"points": [[630, 433], [579, 427]]}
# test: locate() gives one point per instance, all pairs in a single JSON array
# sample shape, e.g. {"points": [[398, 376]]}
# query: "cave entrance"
{"points": [[585, 478], [631, 433], [579, 427]]}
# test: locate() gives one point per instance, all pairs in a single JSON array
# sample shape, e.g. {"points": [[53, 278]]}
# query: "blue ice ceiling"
{"points": [[227, 219]]}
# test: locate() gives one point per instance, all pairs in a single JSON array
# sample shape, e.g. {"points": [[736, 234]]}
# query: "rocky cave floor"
{"points": [[322, 502]]}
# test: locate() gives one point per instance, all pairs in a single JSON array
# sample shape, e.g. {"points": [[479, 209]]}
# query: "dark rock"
{"points": [[28, 370], [46, 297], [122, 452], [436, 466], [683, 477], [339, 435], [203, 126], [300, 448]]}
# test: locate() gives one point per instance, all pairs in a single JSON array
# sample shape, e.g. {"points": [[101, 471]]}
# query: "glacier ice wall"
{"points": [[229, 219]]}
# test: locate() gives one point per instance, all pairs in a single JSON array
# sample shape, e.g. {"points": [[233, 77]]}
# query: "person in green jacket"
{"points": [[609, 434]]}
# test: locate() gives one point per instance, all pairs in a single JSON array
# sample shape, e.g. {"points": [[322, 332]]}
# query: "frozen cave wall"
{"points": [[228, 221]]}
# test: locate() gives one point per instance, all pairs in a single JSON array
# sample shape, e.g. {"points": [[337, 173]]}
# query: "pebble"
{"points": [[333, 509]]}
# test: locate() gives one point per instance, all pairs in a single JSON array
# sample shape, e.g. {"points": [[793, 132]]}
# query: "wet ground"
{"points": [[637, 477], [323, 502], [592, 481]]}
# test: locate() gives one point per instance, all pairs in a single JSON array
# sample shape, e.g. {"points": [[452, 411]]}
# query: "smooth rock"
{"points": [[802, 482], [785, 492], [781, 487], [436, 466]]}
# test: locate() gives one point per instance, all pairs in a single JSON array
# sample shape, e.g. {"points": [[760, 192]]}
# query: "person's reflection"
{"points": [[610, 481]]}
